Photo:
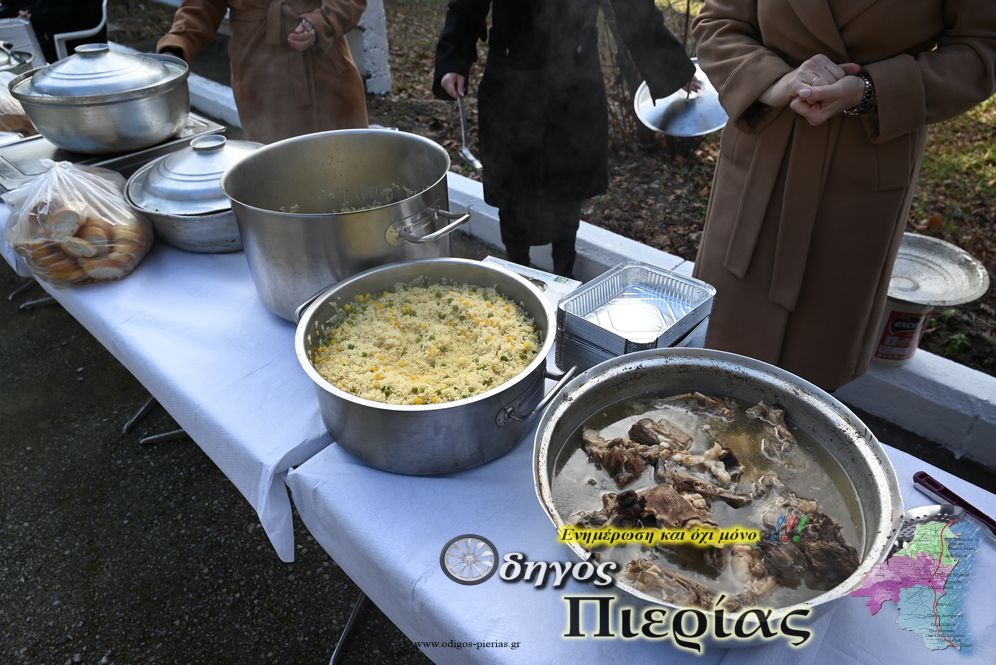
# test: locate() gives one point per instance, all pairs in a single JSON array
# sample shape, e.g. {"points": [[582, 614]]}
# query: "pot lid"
{"points": [[188, 181], [933, 272], [97, 70], [680, 113]]}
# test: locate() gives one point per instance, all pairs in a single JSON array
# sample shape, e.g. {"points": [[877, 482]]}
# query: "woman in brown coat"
{"points": [[292, 72], [809, 204]]}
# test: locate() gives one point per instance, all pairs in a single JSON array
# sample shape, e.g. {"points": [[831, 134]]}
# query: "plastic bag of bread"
{"points": [[72, 225], [12, 115]]}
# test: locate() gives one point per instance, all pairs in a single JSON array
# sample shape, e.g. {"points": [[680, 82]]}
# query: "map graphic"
{"points": [[927, 579]]}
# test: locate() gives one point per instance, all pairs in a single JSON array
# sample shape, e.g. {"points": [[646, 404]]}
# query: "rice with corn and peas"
{"points": [[427, 343]]}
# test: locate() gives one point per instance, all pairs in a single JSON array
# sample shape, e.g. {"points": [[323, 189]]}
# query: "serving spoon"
{"points": [[465, 152]]}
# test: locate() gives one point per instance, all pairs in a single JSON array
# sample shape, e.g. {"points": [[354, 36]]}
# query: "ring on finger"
{"points": [[813, 82]]}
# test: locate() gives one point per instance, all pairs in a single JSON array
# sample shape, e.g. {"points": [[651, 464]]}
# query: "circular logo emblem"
{"points": [[469, 559]]}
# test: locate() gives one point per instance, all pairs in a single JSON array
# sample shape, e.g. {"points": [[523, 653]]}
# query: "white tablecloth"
{"points": [[192, 330], [386, 531]]}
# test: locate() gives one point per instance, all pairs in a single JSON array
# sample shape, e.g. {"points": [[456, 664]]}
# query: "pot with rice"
{"points": [[427, 367]]}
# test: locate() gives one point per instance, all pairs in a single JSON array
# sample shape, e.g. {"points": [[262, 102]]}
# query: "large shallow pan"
{"points": [[389, 185], [432, 438], [666, 372]]}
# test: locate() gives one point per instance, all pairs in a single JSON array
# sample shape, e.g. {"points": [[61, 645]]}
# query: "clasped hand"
{"points": [[818, 89], [303, 36]]}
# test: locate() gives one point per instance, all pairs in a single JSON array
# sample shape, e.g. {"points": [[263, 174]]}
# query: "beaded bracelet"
{"points": [[867, 102]]}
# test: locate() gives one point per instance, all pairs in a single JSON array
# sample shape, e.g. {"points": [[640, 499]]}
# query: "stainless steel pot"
{"points": [[181, 194], [665, 372], [391, 186], [434, 438], [100, 101]]}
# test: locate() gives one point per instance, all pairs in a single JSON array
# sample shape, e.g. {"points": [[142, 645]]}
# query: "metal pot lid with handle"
{"points": [[188, 181], [682, 113], [97, 70], [929, 271]]}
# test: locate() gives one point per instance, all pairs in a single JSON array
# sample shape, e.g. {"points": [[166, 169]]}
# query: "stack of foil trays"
{"points": [[631, 307]]}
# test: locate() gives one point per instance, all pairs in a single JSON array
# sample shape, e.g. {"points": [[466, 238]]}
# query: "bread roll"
{"points": [[97, 233], [63, 222], [78, 247], [136, 234], [112, 266], [43, 254], [67, 271]]}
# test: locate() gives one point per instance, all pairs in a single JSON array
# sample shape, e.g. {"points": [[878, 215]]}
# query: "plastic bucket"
{"points": [[899, 334]]}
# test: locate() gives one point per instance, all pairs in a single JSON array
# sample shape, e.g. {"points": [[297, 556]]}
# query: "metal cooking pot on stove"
{"points": [[181, 194], [319, 208], [101, 101], [673, 371], [432, 438]]}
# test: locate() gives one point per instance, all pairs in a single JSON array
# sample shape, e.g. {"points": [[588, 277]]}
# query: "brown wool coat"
{"points": [[804, 222], [281, 92]]}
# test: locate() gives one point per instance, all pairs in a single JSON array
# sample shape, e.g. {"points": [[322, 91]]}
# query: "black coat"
{"points": [[543, 120]]}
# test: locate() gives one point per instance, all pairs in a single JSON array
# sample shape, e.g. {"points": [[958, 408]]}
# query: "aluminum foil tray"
{"points": [[575, 352], [633, 307], [572, 351]]}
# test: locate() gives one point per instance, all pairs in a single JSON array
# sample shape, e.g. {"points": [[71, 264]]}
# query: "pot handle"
{"points": [[458, 221], [509, 412]]}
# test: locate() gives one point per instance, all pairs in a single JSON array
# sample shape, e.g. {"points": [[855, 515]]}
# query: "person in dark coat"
{"points": [[542, 113], [53, 17]]}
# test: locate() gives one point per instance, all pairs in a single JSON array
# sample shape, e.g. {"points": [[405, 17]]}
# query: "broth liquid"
{"points": [[807, 469]]}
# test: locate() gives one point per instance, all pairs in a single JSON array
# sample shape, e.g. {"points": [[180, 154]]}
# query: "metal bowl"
{"points": [[111, 106], [432, 438], [181, 193], [665, 372]]}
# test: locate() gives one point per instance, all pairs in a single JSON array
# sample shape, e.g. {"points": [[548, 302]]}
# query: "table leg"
{"points": [[23, 288], [138, 415], [171, 435], [162, 437], [361, 600], [44, 301]]}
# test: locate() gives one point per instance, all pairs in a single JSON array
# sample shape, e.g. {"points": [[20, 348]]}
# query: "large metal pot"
{"points": [[101, 101], [665, 372], [434, 438], [181, 194], [393, 185]]}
